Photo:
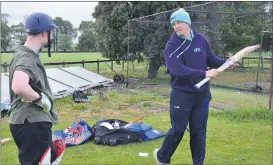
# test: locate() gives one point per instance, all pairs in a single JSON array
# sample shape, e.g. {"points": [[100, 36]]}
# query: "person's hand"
{"points": [[46, 103], [212, 73]]}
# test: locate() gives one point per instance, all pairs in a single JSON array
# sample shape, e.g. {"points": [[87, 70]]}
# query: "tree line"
{"points": [[63, 36]]}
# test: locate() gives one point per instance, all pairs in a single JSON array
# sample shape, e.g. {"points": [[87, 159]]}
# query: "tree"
{"points": [[18, 33], [88, 36], [245, 30], [145, 42], [65, 27], [65, 42], [5, 36], [87, 42], [5, 18]]}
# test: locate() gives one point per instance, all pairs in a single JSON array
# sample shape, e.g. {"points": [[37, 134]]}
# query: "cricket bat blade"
{"points": [[232, 60]]}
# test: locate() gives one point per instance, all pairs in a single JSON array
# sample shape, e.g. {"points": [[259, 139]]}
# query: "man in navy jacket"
{"points": [[187, 55]]}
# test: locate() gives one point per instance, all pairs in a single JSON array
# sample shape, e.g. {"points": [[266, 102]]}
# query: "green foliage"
{"points": [[5, 36], [65, 27], [87, 39], [65, 42], [144, 41], [18, 33]]}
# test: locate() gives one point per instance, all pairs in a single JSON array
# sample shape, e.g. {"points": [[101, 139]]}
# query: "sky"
{"points": [[75, 12]]}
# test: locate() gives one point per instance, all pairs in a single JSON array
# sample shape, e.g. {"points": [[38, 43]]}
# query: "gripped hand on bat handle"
{"points": [[212, 73], [231, 61]]}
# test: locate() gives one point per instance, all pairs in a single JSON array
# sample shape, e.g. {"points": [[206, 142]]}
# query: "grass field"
{"points": [[77, 57], [240, 136], [60, 57]]}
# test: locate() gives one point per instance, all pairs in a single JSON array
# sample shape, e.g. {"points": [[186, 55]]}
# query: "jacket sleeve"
{"points": [[177, 68], [212, 59]]}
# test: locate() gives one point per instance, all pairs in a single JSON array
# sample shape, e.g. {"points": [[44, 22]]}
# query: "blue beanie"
{"points": [[181, 15]]}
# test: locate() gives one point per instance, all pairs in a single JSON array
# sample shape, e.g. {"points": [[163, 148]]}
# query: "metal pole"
{"points": [[0, 80], [0, 65], [128, 54], [260, 55], [271, 84]]}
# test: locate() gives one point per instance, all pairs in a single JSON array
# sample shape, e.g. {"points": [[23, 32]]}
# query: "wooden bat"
{"points": [[3, 141], [134, 121], [232, 60]]}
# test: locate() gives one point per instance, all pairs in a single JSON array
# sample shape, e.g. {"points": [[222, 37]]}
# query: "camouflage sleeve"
{"points": [[26, 65]]}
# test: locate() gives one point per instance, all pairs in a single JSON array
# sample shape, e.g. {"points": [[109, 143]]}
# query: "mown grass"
{"points": [[79, 57], [60, 57], [240, 136]]}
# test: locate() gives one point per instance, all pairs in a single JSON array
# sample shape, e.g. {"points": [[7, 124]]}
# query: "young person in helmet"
{"points": [[32, 110], [187, 56]]}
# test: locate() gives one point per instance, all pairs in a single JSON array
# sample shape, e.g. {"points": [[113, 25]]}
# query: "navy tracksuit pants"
{"points": [[187, 107]]}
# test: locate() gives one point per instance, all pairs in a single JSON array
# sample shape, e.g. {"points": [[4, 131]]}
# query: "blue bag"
{"points": [[146, 131], [77, 134]]}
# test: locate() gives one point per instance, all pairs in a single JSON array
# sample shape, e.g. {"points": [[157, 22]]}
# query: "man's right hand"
{"points": [[212, 73], [46, 102]]}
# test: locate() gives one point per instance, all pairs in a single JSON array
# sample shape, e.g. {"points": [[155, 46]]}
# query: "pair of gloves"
{"points": [[43, 102]]}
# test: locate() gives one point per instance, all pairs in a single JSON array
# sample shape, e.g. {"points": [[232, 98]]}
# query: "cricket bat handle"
{"points": [[3, 141], [134, 121], [202, 82]]}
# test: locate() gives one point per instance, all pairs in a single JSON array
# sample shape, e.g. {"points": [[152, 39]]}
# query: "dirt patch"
{"points": [[221, 106], [265, 85]]}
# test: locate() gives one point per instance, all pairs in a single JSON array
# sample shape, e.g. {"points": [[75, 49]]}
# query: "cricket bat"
{"points": [[134, 121], [232, 60], [3, 141]]}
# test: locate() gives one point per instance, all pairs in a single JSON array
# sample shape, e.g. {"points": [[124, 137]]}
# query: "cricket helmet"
{"points": [[39, 22]]}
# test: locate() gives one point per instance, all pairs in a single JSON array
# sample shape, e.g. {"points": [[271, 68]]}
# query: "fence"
{"points": [[246, 63], [5, 65]]}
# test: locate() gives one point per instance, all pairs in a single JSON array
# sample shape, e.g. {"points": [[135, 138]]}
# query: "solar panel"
{"points": [[59, 90], [63, 81], [67, 79], [5, 88], [87, 75]]}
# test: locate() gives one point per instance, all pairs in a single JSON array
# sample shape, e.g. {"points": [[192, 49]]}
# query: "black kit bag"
{"points": [[80, 97], [116, 136]]}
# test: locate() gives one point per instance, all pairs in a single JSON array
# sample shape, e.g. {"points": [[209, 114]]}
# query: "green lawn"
{"points": [[60, 57], [246, 139], [78, 57], [242, 135]]}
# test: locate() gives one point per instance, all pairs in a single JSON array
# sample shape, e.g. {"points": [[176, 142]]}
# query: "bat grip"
{"points": [[202, 82]]}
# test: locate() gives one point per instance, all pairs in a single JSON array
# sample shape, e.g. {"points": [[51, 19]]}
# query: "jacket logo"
{"points": [[197, 50]]}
